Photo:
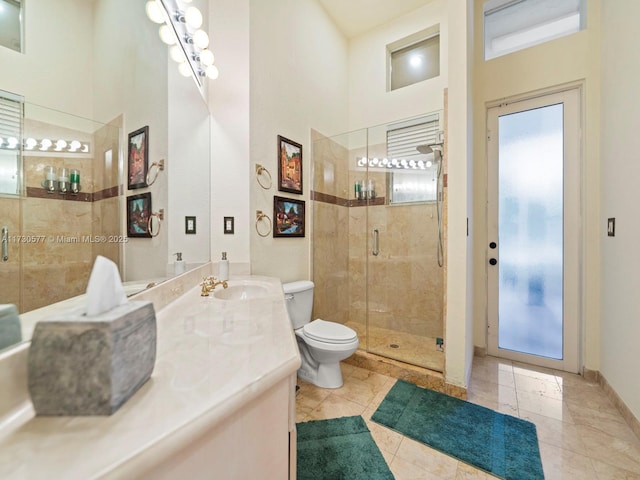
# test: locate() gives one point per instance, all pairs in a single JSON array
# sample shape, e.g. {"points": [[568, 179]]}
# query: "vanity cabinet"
{"points": [[220, 402]]}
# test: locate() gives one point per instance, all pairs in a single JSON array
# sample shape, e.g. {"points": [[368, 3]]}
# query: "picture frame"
{"points": [[138, 214], [289, 217], [138, 158], [289, 166], [190, 225]]}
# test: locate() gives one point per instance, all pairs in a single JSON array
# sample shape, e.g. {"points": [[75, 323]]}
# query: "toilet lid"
{"points": [[329, 332]]}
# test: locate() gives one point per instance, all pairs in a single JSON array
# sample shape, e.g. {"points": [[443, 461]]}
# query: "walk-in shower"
{"points": [[378, 203]]}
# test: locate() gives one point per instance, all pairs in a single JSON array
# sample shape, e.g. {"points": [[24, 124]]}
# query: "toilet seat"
{"points": [[329, 332]]}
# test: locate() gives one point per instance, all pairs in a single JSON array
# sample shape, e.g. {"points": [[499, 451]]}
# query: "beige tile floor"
{"points": [[581, 434]]}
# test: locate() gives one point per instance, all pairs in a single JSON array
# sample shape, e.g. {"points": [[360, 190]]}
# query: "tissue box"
{"points": [[81, 365]]}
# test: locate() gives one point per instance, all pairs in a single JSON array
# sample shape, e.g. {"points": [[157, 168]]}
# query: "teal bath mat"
{"points": [[502, 445], [339, 449]]}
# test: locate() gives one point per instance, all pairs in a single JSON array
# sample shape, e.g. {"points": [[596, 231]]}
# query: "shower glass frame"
{"points": [[375, 264]]}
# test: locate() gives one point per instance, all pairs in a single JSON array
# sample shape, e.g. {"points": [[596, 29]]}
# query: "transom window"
{"points": [[512, 25]]}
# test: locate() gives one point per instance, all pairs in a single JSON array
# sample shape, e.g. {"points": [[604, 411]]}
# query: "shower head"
{"points": [[426, 149]]}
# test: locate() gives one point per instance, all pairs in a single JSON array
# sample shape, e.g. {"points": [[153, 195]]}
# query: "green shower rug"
{"points": [[339, 448], [502, 445]]}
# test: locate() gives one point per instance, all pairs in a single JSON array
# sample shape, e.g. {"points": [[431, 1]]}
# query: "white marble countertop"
{"points": [[213, 357]]}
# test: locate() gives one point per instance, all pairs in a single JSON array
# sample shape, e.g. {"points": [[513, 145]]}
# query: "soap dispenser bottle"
{"points": [[179, 265], [223, 268]]}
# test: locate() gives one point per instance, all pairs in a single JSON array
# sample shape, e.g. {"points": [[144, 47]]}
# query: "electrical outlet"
{"points": [[611, 227]]}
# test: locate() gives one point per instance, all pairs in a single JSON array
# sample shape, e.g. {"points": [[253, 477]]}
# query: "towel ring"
{"points": [[259, 171], [160, 216], [160, 168], [259, 217]]}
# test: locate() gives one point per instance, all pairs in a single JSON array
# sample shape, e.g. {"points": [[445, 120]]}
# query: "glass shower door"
{"points": [[404, 280], [10, 213], [375, 245]]}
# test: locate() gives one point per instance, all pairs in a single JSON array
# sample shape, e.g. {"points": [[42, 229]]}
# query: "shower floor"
{"points": [[406, 347]]}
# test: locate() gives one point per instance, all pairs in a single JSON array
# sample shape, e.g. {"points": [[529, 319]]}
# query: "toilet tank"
{"points": [[299, 299]]}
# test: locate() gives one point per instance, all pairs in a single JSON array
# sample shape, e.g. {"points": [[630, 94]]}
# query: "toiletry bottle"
{"points": [[223, 268], [179, 265]]}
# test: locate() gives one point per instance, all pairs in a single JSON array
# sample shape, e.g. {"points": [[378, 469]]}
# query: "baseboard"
{"points": [[626, 413], [479, 351]]}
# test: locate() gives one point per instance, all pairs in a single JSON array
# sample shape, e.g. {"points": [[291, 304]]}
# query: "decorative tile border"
{"points": [[344, 202], [36, 192]]}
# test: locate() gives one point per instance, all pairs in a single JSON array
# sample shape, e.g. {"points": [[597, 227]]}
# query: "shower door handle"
{"points": [[375, 237], [5, 244]]}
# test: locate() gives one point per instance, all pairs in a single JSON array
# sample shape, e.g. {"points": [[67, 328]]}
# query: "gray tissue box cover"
{"points": [[81, 365]]}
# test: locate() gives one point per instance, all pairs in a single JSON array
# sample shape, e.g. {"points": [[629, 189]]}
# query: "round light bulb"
{"points": [[428, 164], [193, 17], [85, 148], [60, 144], [74, 145], [206, 57], [212, 72], [12, 142], [201, 39], [177, 54], [154, 11], [184, 69], [166, 35], [29, 143]]}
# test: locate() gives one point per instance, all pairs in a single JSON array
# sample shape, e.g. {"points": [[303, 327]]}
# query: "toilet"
{"points": [[322, 344]]}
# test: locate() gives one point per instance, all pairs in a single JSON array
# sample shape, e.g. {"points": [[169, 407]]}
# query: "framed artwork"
{"points": [[289, 166], [138, 158], [190, 225], [289, 217], [138, 214]]}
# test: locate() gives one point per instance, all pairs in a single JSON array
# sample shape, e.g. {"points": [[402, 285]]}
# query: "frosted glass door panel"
{"points": [[530, 225]]}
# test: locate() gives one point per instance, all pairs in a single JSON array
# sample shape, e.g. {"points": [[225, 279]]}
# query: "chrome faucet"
{"points": [[209, 284]]}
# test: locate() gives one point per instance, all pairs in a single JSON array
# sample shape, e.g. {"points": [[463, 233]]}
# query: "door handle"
{"points": [[376, 242], [5, 244]]}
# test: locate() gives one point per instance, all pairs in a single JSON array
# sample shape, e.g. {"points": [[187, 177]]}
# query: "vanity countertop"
{"points": [[213, 357]]}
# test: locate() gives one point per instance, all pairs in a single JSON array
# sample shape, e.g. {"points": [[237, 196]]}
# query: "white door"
{"points": [[534, 226]]}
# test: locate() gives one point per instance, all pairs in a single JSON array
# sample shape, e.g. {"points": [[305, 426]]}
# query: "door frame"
{"points": [[573, 226]]}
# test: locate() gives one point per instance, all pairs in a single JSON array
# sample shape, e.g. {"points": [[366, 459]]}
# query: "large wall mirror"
{"points": [[51, 234]]}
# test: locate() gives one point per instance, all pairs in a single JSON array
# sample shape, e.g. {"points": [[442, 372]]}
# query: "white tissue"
{"points": [[105, 290]]}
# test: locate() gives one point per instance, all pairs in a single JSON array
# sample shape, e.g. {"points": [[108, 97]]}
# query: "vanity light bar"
{"points": [[188, 42], [394, 163], [45, 145]]}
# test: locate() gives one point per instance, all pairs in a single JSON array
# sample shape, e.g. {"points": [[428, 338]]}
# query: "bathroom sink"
{"points": [[242, 291]]}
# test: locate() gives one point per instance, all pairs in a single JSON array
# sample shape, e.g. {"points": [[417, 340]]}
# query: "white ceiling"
{"points": [[354, 17]]}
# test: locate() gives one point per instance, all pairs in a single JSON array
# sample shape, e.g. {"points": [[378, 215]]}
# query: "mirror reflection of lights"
{"points": [[45, 145], [181, 27]]}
